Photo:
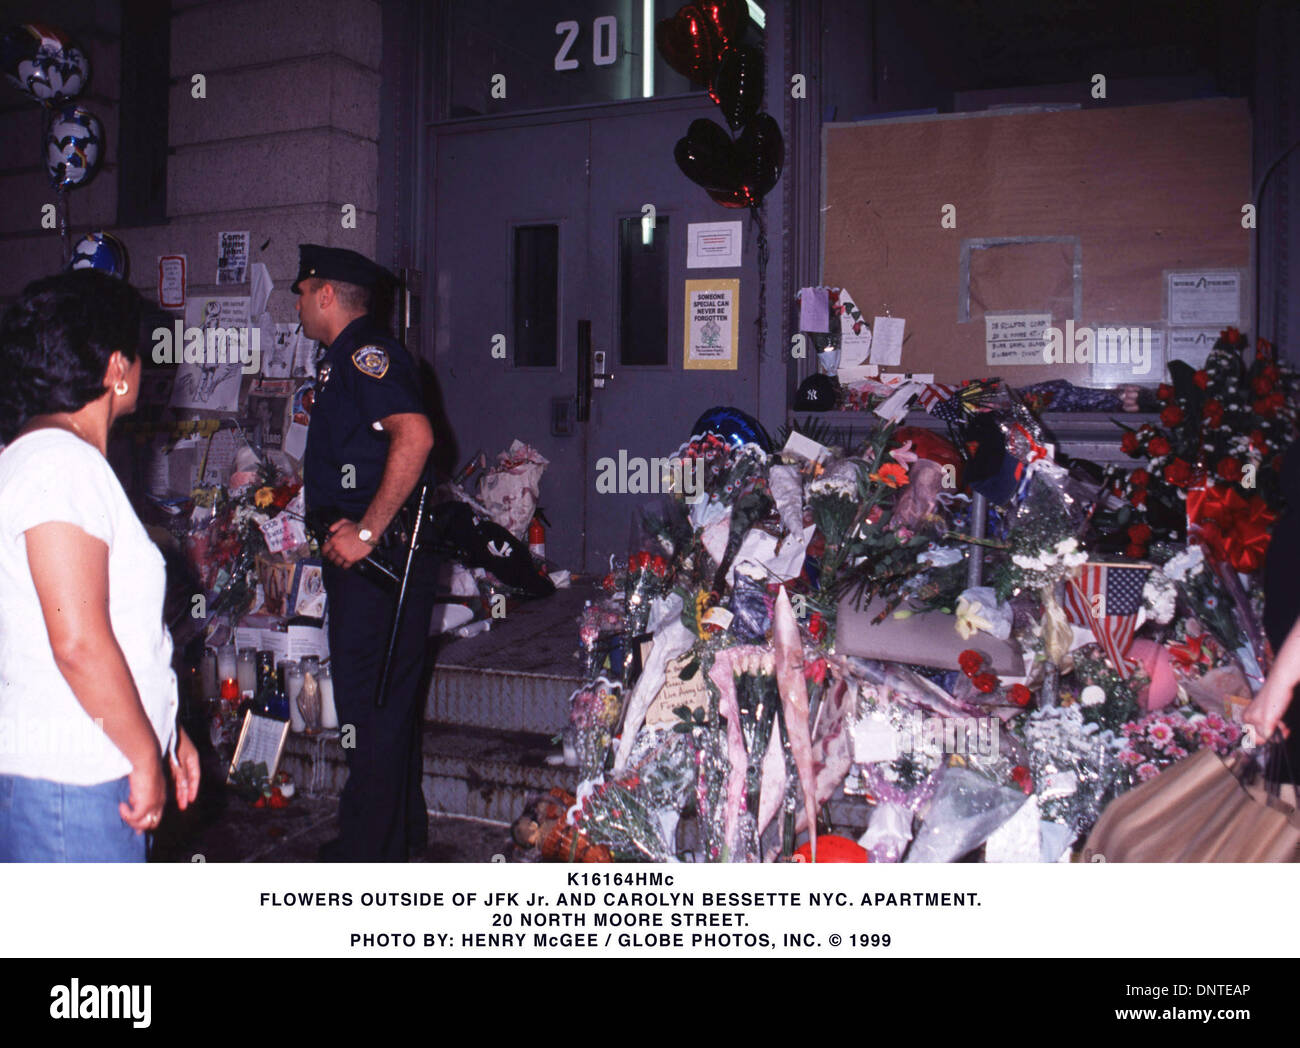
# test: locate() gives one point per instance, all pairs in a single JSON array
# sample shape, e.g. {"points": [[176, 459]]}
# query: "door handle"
{"points": [[584, 371]]}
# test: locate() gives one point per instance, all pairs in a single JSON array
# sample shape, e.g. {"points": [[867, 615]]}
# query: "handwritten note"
{"points": [[1015, 338], [676, 692], [887, 340]]}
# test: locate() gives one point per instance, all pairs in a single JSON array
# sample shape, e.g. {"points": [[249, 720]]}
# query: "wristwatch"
{"points": [[366, 536]]}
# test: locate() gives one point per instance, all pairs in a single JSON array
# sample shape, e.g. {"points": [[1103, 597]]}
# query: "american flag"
{"points": [[1106, 598], [933, 393]]}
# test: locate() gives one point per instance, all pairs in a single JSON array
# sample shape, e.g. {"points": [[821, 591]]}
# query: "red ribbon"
{"points": [[1233, 528]]}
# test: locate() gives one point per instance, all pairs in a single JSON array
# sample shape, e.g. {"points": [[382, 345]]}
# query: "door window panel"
{"points": [[643, 291], [536, 303]]}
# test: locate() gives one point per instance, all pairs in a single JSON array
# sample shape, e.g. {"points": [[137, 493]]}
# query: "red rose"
{"points": [[1258, 440], [1022, 778], [1229, 469], [1277, 400], [1019, 694], [1139, 497], [639, 561], [1232, 336], [659, 565], [1271, 373], [1212, 412], [1140, 477], [1264, 407], [1262, 386], [1139, 533], [970, 661], [1158, 446], [816, 625], [1134, 551], [1129, 444], [1201, 378], [1171, 416], [1165, 391], [1264, 349], [1179, 473], [985, 682]]}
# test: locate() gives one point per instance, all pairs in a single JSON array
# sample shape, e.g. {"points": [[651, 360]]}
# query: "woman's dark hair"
{"points": [[55, 341]]}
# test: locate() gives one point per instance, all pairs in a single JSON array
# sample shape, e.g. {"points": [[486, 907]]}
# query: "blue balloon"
{"points": [[100, 251], [734, 426]]}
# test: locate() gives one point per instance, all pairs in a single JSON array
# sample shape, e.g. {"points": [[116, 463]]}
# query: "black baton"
{"points": [[399, 605]]}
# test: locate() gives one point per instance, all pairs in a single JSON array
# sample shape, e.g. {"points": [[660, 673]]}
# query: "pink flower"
{"points": [[1131, 757], [1161, 734], [1176, 752], [1147, 772]]}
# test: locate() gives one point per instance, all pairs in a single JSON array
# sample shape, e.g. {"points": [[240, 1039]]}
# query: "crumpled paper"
{"points": [[509, 490]]}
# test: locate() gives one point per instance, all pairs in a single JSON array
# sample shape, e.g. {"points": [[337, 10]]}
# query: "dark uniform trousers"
{"points": [[382, 812]]}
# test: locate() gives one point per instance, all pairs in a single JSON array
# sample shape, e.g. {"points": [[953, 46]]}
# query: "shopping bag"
{"points": [[1205, 808]]}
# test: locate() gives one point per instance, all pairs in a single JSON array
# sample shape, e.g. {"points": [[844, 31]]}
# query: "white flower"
{"points": [[1067, 546], [1188, 562], [1092, 696], [1029, 563]]}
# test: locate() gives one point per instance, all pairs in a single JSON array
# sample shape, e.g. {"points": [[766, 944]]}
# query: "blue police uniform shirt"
{"points": [[364, 376]]}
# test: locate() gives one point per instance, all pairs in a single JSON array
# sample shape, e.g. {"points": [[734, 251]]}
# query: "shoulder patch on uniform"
{"points": [[371, 360]]}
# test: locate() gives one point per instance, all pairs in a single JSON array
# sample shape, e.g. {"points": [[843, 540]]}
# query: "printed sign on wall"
{"points": [[712, 325]]}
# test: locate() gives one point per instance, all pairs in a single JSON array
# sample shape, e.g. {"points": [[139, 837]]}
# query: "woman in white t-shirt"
{"points": [[87, 694]]}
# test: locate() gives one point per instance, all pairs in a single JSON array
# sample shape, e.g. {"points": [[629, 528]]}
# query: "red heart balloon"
{"points": [[707, 156], [730, 198], [738, 85], [762, 155], [690, 44], [727, 17]]}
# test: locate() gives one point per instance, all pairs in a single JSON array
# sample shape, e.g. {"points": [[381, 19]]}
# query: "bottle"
{"points": [[537, 543]]}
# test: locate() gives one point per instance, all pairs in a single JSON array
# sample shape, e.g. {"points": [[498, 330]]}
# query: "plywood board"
{"points": [[1124, 195]]}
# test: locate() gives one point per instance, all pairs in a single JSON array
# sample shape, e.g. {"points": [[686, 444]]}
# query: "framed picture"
{"points": [[307, 591], [267, 414], [261, 741]]}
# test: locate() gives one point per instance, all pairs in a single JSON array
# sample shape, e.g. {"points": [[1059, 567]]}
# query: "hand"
{"points": [[185, 771], [1264, 714], [344, 546], [148, 795]]}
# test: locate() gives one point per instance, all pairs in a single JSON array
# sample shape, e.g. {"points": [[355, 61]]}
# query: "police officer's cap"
{"points": [[337, 263]]}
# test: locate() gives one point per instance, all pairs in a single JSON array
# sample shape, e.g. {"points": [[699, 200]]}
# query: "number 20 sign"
{"points": [[604, 42]]}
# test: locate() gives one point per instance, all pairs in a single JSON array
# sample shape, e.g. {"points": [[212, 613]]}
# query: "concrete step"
{"points": [[518, 676], [467, 771]]}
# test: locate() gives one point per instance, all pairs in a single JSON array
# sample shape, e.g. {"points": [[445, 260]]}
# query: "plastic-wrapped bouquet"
{"points": [[1159, 739], [593, 715]]}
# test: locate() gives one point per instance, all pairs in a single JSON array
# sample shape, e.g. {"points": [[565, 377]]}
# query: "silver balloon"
{"points": [[73, 143]]}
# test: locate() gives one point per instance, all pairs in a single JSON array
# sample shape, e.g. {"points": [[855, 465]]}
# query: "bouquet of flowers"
{"points": [[1212, 463], [1159, 739], [593, 715]]}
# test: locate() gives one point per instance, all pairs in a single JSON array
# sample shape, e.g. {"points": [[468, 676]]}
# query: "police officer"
{"points": [[367, 447]]}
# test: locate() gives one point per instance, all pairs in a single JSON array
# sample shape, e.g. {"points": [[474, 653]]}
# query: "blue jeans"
{"points": [[44, 821]]}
